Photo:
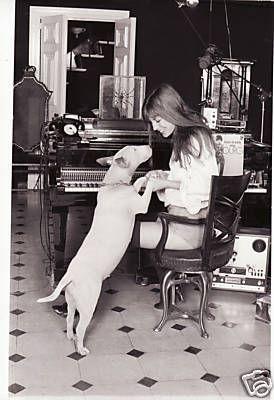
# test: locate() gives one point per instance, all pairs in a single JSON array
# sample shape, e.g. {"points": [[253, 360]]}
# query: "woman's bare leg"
{"points": [[150, 233], [181, 237]]}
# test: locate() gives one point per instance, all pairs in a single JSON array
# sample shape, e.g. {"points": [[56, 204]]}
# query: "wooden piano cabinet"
{"points": [[71, 216]]}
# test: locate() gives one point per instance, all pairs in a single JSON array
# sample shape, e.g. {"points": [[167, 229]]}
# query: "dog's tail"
{"points": [[61, 285]]}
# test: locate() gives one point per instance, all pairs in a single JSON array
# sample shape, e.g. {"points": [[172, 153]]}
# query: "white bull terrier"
{"points": [[104, 246]]}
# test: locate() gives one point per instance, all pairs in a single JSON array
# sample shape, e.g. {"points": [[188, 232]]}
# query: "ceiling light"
{"points": [[187, 3]]}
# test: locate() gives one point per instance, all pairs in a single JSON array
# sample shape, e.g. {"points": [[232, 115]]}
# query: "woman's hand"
{"points": [[158, 183], [163, 183], [157, 173], [155, 183]]}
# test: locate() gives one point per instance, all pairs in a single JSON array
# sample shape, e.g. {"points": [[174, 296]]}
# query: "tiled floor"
{"points": [[127, 358]]}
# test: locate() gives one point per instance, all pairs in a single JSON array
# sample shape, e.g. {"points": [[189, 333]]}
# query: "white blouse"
{"points": [[194, 180]]}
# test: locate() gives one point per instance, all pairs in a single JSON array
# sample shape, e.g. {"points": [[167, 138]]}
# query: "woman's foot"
{"points": [[62, 310], [178, 299]]}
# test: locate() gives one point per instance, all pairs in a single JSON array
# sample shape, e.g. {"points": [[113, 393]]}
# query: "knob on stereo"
{"points": [[259, 245]]}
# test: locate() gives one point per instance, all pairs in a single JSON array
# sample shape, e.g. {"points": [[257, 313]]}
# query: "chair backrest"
{"points": [[223, 219]]}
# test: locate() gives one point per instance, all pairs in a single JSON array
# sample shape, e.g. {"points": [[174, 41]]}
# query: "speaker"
{"points": [[247, 270]]}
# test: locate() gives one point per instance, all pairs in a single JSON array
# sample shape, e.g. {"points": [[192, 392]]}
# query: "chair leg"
{"points": [[209, 316], [176, 294], [165, 285], [173, 295], [204, 289], [179, 293]]}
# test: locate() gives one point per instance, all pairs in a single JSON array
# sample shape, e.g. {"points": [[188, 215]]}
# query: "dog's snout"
{"points": [[148, 150]]}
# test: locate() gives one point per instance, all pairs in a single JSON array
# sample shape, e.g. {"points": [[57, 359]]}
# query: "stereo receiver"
{"points": [[248, 267]]}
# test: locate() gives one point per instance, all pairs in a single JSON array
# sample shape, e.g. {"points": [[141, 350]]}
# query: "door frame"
{"points": [[81, 14]]}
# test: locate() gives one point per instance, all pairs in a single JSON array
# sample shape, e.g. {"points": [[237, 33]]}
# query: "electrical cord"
{"points": [[193, 28], [228, 31], [210, 21], [44, 195]]}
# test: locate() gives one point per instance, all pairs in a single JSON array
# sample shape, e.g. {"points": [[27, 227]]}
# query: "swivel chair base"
{"points": [[175, 312]]}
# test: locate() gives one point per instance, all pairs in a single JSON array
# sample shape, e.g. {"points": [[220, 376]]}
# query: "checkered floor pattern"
{"points": [[126, 357]]}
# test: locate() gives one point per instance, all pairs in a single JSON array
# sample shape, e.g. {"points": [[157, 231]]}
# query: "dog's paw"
{"points": [[83, 351], [71, 336], [139, 183]]}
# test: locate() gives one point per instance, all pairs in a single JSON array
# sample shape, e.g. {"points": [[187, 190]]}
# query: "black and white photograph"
{"points": [[136, 164]]}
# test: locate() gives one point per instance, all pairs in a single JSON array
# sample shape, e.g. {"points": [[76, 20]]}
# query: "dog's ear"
{"points": [[105, 161], [122, 162]]}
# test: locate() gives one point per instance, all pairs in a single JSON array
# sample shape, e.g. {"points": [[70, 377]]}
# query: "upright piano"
{"points": [[75, 178]]}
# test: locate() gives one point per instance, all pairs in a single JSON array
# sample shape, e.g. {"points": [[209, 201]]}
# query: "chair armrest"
{"points": [[181, 220], [166, 218]]}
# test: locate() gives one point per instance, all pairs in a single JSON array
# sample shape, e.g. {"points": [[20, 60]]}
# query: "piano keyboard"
{"points": [[84, 179]]}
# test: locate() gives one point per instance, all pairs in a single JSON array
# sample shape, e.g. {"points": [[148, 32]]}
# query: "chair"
{"points": [[196, 266]]}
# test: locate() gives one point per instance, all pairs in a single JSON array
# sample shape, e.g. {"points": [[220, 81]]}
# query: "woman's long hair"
{"points": [[165, 102]]}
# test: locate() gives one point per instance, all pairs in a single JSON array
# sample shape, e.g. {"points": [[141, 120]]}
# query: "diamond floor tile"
{"points": [[210, 378], [16, 388], [82, 385], [192, 350], [146, 381], [16, 358]]}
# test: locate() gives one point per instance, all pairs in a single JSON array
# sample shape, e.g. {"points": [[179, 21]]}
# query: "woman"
{"points": [[185, 189]]}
